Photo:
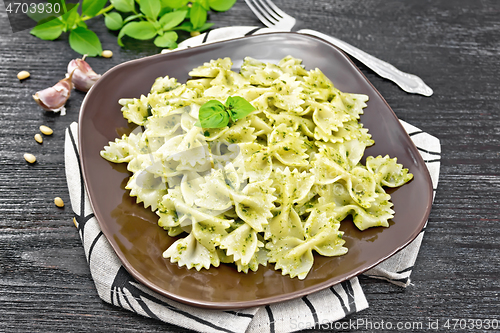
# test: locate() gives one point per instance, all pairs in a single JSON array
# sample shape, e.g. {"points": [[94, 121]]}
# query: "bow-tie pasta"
{"points": [[271, 188]]}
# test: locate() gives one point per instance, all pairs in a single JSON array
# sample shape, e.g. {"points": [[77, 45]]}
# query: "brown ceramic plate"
{"points": [[133, 231]]}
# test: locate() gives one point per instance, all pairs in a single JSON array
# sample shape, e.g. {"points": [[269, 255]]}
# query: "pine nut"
{"points": [[75, 223], [23, 75], [59, 202], [194, 33], [46, 130], [107, 53], [38, 138], [30, 158]]}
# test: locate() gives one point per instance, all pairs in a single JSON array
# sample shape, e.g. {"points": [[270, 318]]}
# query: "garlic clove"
{"points": [[84, 76], [54, 98]]}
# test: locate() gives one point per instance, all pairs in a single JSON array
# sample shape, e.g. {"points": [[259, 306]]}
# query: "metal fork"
{"points": [[273, 17]]}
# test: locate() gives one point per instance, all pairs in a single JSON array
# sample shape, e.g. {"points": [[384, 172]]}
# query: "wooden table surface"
{"points": [[45, 283]]}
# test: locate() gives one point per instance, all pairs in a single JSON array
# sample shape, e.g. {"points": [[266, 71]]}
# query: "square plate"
{"points": [[139, 242]]}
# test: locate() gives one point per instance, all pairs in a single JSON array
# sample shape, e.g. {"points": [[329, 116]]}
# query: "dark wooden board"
{"points": [[45, 283]]}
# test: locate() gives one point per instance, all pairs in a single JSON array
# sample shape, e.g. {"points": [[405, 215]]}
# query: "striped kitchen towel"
{"points": [[115, 285]]}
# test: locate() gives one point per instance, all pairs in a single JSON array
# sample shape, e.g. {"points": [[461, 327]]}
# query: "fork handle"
{"points": [[408, 82]]}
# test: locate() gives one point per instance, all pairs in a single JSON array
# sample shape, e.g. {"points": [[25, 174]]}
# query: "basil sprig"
{"points": [[158, 20], [214, 114]]}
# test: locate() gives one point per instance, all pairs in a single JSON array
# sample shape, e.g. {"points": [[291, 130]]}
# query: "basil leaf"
{"points": [[174, 3], [62, 3], [85, 41], [221, 5], [140, 30], [49, 30], [185, 26], [113, 21], [71, 18], [123, 5], [168, 39], [121, 34], [213, 114], [92, 7], [63, 7], [81, 24], [205, 26], [150, 8], [172, 19], [204, 4], [238, 107], [198, 15], [132, 17]]}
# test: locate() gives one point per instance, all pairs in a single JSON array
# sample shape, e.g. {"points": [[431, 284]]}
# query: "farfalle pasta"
{"points": [[271, 188]]}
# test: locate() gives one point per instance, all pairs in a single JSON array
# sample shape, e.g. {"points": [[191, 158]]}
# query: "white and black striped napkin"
{"points": [[115, 285]]}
